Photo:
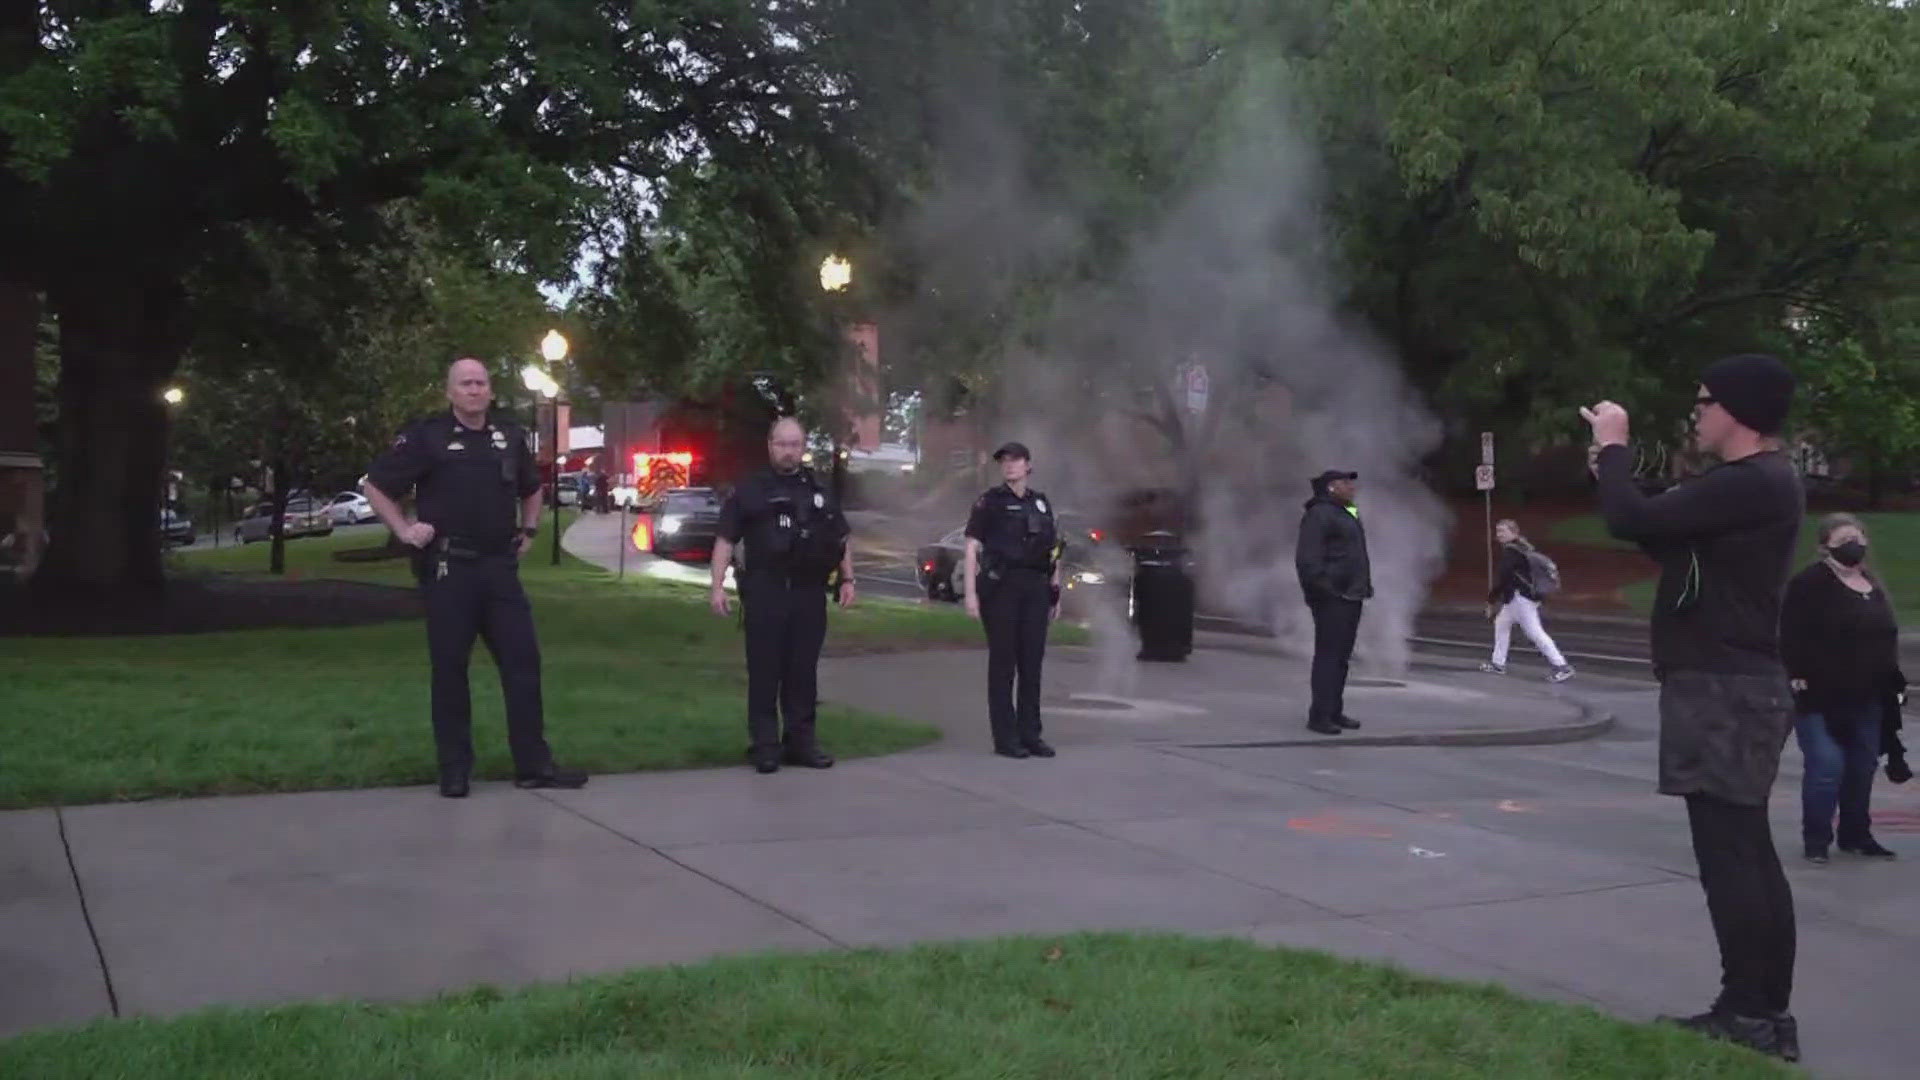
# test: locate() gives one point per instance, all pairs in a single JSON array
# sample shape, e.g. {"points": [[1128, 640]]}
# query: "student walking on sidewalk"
{"points": [[1516, 599]]}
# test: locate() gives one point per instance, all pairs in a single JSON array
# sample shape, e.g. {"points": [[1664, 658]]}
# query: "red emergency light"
{"points": [[642, 536]]}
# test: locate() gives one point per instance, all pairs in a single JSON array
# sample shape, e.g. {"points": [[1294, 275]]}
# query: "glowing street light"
{"points": [[538, 381], [554, 346], [173, 395], [836, 273]]}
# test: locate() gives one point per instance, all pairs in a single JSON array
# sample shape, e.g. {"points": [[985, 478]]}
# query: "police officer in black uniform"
{"points": [[478, 496], [1013, 587], [796, 541]]}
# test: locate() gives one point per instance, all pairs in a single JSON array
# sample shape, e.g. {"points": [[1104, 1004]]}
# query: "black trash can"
{"points": [[1163, 597]]}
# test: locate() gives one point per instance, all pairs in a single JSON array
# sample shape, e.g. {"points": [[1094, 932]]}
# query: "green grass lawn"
{"points": [[638, 674], [1896, 555], [1108, 1006]]}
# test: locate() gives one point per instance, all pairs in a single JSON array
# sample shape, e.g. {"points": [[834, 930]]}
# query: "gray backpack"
{"points": [[1545, 575]]}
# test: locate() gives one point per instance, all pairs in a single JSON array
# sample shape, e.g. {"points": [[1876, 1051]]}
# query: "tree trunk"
{"points": [[120, 339]]}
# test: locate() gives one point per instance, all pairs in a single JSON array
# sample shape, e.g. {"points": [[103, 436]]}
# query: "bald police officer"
{"points": [[478, 496], [1012, 581], [796, 543]]}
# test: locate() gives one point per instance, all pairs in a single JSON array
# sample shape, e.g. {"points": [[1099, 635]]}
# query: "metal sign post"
{"points": [[1483, 479], [625, 539]]}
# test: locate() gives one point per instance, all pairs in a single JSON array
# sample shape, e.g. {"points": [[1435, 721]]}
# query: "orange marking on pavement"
{"points": [[1335, 825], [1899, 821]]}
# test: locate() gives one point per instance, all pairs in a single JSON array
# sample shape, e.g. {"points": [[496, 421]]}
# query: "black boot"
{"points": [[1322, 726], [551, 777], [1347, 723], [1869, 848], [1759, 1033], [809, 757], [453, 785], [1012, 750], [1786, 1032], [1038, 747]]}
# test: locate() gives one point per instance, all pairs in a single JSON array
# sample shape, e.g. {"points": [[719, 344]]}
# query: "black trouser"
{"points": [[786, 625], [483, 596], [1336, 625], [1015, 611], [1749, 901]]}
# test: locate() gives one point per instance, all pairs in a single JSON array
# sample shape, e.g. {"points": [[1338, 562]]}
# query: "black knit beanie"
{"points": [[1754, 388]]}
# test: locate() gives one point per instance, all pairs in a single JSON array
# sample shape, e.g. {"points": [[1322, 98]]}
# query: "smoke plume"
{"points": [[1236, 272]]}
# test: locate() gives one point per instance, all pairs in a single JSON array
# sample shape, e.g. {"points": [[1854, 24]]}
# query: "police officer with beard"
{"points": [[795, 538], [479, 504], [1013, 587]]}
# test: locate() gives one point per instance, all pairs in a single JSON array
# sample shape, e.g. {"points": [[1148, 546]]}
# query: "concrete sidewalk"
{"points": [[1551, 870]]}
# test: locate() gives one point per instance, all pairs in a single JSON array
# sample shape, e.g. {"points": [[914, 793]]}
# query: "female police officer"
{"points": [[1013, 587]]}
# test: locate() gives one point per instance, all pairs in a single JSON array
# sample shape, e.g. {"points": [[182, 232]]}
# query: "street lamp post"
{"points": [[836, 274], [553, 348], [173, 396]]}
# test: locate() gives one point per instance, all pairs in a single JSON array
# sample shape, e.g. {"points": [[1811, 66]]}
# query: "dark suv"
{"points": [[683, 524]]}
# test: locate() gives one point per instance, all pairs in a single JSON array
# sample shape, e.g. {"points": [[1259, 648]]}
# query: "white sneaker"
{"points": [[1560, 674], [1494, 669]]}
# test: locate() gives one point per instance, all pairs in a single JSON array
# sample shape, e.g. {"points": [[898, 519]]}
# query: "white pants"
{"points": [[1527, 613]]}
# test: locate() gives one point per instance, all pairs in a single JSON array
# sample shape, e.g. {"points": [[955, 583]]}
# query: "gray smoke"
{"points": [[1236, 274]]}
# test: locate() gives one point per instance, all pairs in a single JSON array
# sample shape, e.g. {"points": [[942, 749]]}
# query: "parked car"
{"points": [[351, 508], [304, 517], [682, 525], [939, 566], [175, 528]]}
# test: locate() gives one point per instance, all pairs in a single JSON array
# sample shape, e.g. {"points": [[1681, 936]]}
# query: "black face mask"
{"points": [[1851, 553]]}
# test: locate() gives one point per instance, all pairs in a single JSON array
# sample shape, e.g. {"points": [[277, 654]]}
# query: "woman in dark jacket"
{"points": [[1840, 643]]}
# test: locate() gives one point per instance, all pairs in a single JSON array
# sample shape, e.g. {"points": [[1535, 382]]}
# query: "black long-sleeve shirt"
{"points": [[1512, 577], [1843, 642], [1725, 543]]}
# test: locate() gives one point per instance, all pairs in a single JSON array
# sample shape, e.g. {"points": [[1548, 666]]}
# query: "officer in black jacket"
{"points": [[1013, 587], [796, 541], [1337, 580], [478, 496]]}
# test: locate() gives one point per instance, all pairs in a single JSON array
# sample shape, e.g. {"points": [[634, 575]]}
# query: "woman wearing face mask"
{"points": [[1840, 643], [1515, 600]]}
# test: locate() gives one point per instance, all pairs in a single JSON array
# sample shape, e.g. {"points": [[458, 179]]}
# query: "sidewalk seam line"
{"points": [[86, 912], [696, 872]]}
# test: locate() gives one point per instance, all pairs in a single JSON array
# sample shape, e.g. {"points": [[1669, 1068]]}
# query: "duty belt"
{"points": [[445, 549]]}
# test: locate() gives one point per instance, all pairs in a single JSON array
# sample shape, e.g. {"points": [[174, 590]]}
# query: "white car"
{"points": [[351, 508], [304, 517]]}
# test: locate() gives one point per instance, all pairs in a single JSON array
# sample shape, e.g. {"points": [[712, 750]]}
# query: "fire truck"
{"points": [[652, 476]]}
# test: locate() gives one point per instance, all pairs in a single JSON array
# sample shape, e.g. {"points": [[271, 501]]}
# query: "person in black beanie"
{"points": [[1725, 543]]}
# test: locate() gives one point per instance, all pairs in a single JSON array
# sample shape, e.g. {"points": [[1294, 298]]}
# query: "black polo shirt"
{"points": [[469, 483]]}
